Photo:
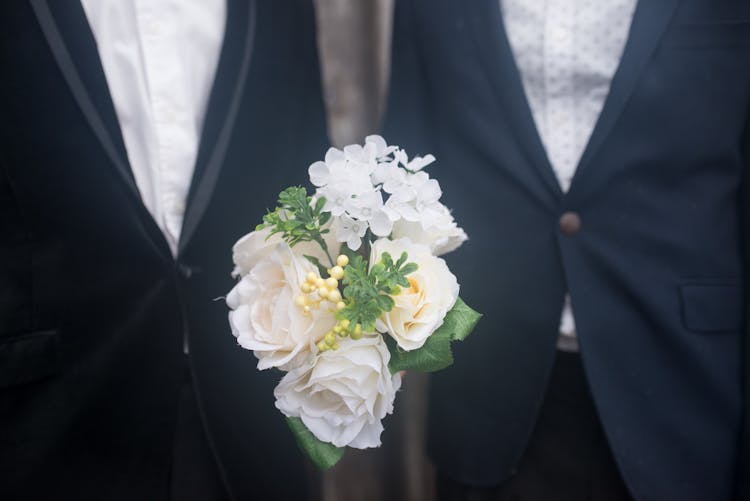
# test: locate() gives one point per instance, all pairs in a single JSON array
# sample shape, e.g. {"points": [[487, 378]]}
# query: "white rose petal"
{"points": [[264, 316], [342, 395], [421, 308], [252, 248], [258, 245]]}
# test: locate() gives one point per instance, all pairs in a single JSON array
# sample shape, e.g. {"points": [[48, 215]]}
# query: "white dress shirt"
{"points": [[159, 59], [567, 52]]}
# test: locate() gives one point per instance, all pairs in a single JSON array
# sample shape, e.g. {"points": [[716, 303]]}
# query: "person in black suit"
{"points": [[638, 240], [119, 376]]}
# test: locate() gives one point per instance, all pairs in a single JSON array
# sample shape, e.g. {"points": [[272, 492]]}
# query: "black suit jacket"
{"points": [[93, 306], [657, 272]]}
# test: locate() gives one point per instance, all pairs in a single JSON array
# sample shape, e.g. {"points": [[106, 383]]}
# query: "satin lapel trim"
{"points": [[499, 62], [650, 20], [212, 153], [68, 68], [72, 77]]}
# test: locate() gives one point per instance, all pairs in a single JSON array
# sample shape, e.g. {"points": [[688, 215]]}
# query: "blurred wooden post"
{"points": [[354, 44]]}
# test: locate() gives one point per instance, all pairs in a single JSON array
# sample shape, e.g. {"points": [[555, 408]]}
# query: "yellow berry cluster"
{"points": [[342, 329], [316, 289]]}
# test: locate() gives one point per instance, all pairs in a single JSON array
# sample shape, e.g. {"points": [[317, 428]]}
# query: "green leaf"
{"points": [[296, 219], [322, 454], [461, 320], [436, 353], [319, 204], [409, 269]]}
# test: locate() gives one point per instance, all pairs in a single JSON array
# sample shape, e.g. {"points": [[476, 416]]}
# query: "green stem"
{"points": [[324, 246], [365, 249]]}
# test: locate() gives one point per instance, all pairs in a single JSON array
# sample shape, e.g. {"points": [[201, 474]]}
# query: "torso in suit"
{"points": [[93, 306], [652, 247]]}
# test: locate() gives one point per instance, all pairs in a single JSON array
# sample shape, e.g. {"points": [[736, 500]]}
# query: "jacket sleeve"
{"points": [[409, 111]]}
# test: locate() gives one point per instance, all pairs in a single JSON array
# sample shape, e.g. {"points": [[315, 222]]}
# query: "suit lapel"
{"points": [[650, 20], [223, 106], [499, 62], [67, 32]]}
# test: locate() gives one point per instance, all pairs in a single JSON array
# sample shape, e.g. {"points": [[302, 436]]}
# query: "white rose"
{"points": [[440, 233], [342, 395], [252, 248], [264, 316], [421, 308], [257, 245]]}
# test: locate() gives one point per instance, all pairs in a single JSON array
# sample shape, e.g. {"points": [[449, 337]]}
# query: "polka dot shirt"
{"points": [[567, 52]]}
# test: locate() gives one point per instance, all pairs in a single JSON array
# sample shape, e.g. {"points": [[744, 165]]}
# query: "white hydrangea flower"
{"points": [[354, 181], [369, 208], [382, 149], [417, 199], [350, 231]]}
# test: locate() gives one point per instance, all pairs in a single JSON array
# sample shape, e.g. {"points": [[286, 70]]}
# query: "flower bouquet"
{"points": [[342, 290]]}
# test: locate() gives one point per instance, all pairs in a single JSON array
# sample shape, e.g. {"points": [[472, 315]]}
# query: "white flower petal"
{"points": [[419, 310], [380, 224], [320, 173], [264, 316], [334, 155], [342, 395], [419, 163]]}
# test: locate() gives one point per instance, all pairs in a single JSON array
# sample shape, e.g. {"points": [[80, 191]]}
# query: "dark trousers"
{"points": [[567, 459], [195, 474]]}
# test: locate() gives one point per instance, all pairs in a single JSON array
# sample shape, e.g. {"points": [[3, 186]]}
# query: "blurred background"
{"points": [[354, 46]]}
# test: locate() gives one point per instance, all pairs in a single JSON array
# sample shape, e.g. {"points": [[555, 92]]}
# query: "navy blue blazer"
{"points": [[657, 270], [93, 306]]}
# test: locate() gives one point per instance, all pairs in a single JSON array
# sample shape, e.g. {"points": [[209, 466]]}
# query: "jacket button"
{"points": [[570, 223], [187, 271]]}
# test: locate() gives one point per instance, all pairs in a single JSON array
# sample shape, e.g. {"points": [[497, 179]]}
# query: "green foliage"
{"points": [[436, 353], [322, 454], [297, 219], [368, 293]]}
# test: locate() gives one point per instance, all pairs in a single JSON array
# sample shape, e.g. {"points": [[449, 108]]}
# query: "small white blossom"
{"points": [[369, 207], [350, 231], [381, 147]]}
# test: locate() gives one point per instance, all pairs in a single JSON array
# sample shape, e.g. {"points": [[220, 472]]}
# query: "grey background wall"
{"points": [[354, 45]]}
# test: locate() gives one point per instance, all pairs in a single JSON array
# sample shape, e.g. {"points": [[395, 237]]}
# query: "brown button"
{"points": [[570, 223]]}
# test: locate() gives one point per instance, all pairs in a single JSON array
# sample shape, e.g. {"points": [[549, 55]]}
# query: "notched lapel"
{"points": [[499, 62], [650, 20], [223, 106]]}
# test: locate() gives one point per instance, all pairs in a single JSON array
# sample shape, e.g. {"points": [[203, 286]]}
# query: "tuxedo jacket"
{"points": [[657, 270], [93, 306]]}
